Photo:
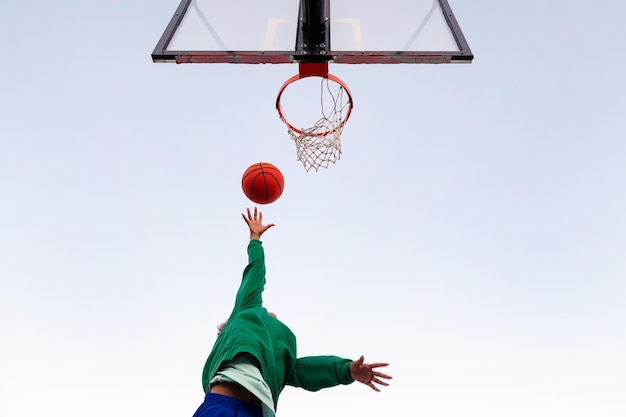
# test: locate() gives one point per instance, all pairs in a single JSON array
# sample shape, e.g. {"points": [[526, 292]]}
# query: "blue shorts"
{"points": [[217, 405]]}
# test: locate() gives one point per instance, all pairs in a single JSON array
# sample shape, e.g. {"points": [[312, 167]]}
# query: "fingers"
{"points": [[381, 375], [378, 365], [247, 219], [251, 216], [376, 380], [381, 382], [377, 375]]}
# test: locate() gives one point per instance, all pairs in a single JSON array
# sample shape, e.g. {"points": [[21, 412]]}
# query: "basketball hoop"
{"points": [[320, 144]]}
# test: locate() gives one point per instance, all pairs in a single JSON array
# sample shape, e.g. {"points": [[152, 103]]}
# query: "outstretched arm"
{"points": [[253, 280], [365, 373], [255, 224], [316, 372]]}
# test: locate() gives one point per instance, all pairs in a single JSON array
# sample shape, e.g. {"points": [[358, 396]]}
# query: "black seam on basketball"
{"points": [[278, 182], [259, 177], [267, 193], [267, 197]]}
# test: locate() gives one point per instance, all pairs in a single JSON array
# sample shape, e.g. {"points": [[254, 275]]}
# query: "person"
{"points": [[254, 356]]}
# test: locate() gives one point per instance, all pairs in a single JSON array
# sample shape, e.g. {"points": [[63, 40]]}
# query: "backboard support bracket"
{"points": [[313, 69], [313, 31]]}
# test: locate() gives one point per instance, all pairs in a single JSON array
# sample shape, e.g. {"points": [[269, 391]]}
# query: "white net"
{"points": [[317, 151], [318, 146]]}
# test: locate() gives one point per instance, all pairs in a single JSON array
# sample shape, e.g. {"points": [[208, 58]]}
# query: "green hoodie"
{"points": [[251, 330]]}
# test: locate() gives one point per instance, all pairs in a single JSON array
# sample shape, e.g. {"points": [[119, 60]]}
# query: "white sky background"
{"points": [[473, 233]]}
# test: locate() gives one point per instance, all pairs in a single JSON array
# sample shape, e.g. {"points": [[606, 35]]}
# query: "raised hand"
{"points": [[255, 224], [365, 373]]}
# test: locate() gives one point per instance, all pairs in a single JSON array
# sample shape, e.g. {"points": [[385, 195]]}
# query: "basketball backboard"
{"points": [[337, 31]]}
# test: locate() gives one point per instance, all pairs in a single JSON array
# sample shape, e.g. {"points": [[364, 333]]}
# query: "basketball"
{"points": [[262, 183]]}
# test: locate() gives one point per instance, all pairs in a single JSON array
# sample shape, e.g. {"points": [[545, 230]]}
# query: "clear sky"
{"points": [[472, 234]]}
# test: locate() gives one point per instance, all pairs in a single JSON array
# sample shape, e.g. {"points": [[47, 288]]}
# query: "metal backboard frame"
{"points": [[431, 33]]}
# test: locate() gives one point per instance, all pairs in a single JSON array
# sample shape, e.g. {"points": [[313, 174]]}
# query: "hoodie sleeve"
{"points": [[250, 291], [316, 372]]}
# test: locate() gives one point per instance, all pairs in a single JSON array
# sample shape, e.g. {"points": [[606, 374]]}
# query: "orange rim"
{"points": [[300, 76]]}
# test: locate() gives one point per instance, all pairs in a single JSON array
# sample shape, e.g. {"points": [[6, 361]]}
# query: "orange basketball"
{"points": [[262, 183]]}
